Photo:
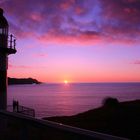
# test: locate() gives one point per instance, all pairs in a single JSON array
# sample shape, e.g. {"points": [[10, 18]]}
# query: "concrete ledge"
{"points": [[57, 126]]}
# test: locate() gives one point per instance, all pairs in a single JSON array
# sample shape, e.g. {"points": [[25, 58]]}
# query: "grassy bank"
{"points": [[120, 119]]}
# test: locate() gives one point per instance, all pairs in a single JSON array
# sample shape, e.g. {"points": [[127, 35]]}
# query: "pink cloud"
{"points": [[79, 10], [19, 66], [40, 55], [65, 5], [136, 62], [25, 67], [85, 38], [36, 17]]}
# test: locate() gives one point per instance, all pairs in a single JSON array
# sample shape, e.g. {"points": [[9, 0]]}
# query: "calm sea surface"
{"points": [[60, 99]]}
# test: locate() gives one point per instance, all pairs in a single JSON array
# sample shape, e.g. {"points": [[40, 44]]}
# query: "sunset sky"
{"points": [[75, 40]]}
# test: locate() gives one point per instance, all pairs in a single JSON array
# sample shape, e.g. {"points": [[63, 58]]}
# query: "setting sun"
{"points": [[65, 81]]}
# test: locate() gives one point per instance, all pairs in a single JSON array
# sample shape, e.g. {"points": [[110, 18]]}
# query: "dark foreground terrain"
{"points": [[120, 119]]}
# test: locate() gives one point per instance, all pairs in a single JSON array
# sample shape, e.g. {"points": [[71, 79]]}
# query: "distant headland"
{"points": [[17, 81]]}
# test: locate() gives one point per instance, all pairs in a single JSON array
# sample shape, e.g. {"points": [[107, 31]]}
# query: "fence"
{"points": [[22, 110]]}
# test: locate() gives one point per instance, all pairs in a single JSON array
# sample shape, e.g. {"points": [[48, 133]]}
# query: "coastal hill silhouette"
{"points": [[120, 119], [15, 81]]}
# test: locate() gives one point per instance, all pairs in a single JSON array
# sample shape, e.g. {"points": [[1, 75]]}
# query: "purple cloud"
{"points": [[107, 19], [121, 18]]}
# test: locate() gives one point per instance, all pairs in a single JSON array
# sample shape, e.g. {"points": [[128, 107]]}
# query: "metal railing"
{"points": [[22, 110], [12, 42], [22, 127], [26, 111]]}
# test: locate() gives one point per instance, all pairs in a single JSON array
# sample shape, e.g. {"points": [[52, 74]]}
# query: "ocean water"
{"points": [[69, 99]]}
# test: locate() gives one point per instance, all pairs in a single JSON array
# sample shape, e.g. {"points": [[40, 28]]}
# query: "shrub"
{"points": [[110, 102]]}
